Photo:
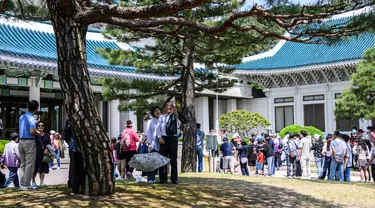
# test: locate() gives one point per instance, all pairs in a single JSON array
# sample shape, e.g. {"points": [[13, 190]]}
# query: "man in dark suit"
{"points": [[167, 133]]}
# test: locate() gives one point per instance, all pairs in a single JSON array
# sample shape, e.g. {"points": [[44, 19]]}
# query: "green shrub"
{"points": [[2, 145], [297, 128]]}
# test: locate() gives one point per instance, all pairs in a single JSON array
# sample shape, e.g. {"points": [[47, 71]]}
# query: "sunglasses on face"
{"points": [[41, 125]]}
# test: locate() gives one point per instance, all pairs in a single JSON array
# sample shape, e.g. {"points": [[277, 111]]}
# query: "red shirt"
{"points": [[260, 158], [134, 137]]}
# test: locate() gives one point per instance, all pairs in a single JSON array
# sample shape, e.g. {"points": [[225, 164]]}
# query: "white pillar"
{"points": [[298, 108], [202, 113], [34, 90], [114, 118], [231, 105], [99, 107], [330, 120]]}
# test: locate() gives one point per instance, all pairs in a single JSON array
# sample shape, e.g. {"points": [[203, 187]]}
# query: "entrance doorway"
{"points": [[11, 108]]}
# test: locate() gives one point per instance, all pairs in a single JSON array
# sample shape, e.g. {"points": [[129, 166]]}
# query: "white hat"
{"points": [[52, 132], [316, 136]]}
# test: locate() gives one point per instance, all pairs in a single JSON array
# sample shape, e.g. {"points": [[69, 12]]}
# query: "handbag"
{"points": [[244, 160], [47, 159]]}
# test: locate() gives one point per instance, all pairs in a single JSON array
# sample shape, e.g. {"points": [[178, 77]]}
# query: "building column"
{"points": [[330, 124], [231, 105], [99, 106], [114, 118], [298, 109], [34, 90], [202, 113]]}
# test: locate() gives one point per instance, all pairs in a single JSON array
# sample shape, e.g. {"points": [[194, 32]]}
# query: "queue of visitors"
{"points": [[334, 158]]}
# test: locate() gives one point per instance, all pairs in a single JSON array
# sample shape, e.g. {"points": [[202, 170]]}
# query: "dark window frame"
{"points": [[283, 107], [314, 114], [348, 125], [313, 97], [338, 95], [283, 100]]}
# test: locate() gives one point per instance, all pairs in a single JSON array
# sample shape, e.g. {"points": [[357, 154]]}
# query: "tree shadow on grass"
{"points": [[191, 192]]}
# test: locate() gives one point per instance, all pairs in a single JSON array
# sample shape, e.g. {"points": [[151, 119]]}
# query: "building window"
{"points": [[313, 97], [314, 116], [338, 96], [346, 124], [105, 115], [284, 116], [284, 100]]}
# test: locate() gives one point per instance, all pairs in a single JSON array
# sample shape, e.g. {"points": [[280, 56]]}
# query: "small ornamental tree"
{"points": [[242, 122]]}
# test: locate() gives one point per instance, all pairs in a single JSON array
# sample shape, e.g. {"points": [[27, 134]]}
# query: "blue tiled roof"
{"points": [[293, 55], [21, 42]]}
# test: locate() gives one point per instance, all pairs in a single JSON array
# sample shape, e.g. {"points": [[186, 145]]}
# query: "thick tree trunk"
{"points": [[79, 99], [189, 159]]}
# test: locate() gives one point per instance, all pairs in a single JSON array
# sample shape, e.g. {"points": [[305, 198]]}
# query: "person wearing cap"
{"points": [[10, 159], [227, 148], [132, 150], [269, 141], [327, 152]]}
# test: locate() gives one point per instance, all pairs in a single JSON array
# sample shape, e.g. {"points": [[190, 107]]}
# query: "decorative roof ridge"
{"points": [[266, 54], [51, 66], [297, 69]]}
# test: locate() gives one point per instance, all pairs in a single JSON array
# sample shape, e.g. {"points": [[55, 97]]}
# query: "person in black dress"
{"points": [[41, 149]]}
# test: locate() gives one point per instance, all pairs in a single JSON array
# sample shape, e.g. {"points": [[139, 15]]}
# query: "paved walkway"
{"points": [[56, 177]]}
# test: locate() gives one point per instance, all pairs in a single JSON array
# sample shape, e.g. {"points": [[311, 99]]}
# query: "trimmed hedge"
{"points": [[297, 128], [2, 146]]}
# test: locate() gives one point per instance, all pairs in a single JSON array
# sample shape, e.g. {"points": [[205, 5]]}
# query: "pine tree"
{"points": [[70, 20], [178, 47]]}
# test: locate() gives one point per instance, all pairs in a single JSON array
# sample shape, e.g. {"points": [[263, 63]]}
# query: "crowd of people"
{"points": [[334, 157], [32, 152]]}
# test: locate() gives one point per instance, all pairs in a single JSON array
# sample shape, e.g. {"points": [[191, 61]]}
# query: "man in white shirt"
{"points": [[304, 155], [167, 131]]}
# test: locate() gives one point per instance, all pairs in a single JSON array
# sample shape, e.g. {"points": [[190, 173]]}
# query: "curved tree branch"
{"points": [[102, 12]]}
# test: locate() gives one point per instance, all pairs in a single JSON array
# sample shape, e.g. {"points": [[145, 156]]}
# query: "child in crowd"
{"points": [[260, 165], [113, 148]]}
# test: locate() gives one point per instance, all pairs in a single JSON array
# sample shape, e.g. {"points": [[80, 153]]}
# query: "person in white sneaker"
{"points": [[304, 155]]}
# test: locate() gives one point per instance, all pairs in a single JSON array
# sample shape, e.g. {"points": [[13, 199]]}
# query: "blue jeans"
{"points": [[347, 174], [319, 165], [244, 169], [200, 159], [339, 166], [114, 170], [57, 151], [270, 165], [13, 177], [327, 166]]}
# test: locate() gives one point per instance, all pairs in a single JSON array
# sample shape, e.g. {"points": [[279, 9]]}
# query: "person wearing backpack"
{"points": [[291, 150], [128, 143]]}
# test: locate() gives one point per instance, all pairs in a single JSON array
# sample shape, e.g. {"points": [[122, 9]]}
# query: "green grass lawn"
{"points": [[206, 190]]}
